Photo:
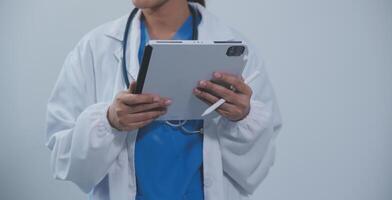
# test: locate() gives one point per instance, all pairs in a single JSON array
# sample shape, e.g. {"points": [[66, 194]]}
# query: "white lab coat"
{"points": [[100, 160]]}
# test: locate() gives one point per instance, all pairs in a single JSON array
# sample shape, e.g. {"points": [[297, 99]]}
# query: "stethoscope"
{"points": [[195, 35]]}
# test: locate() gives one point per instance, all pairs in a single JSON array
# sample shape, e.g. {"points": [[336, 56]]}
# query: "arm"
{"points": [[247, 143], [83, 145], [80, 135]]}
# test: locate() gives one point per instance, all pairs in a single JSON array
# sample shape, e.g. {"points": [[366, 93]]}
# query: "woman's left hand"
{"points": [[237, 105]]}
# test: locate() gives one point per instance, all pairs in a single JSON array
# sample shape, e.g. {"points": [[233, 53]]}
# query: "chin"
{"points": [[143, 4]]}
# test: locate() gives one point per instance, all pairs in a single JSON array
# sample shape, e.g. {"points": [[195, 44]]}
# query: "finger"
{"points": [[204, 96], [137, 125], [222, 110], [144, 116], [224, 113], [132, 87], [240, 101], [219, 90], [211, 99], [236, 81], [152, 106], [134, 99]]}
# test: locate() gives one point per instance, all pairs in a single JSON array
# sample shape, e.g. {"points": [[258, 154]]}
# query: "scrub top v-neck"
{"points": [[169, 161]]}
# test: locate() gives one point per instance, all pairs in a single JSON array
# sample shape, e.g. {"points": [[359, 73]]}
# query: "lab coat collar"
{"points": [[210, 28]]}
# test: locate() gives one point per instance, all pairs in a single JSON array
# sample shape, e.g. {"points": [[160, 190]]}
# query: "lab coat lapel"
{"points": [[117, 32], [121, 183]]}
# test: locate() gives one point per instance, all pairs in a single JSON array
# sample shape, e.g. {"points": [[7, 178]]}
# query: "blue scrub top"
{"points": [[169, 161]]}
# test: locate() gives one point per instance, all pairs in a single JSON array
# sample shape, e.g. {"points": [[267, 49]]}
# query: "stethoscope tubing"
{"points": [[195, 36]]}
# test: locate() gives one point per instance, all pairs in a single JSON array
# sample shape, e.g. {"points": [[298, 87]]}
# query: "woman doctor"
{"points": [[107, 141]]}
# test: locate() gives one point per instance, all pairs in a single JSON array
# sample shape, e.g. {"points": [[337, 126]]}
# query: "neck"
{"points": [[164, 20]]}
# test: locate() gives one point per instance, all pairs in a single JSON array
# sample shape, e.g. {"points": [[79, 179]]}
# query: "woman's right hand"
{"points": [[132, 111]]}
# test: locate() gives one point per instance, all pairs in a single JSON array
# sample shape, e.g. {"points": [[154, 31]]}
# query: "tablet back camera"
{"points": [[235, 51]]}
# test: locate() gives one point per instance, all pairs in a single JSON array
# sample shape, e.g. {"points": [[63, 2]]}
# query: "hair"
{"points": [[201, 2]]}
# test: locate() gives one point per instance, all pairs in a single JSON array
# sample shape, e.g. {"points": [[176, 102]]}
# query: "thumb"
{"points": [[132, 87]]}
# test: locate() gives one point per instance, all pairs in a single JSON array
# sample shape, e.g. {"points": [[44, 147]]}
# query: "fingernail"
{"points": [[156, 99], [196, 91], [217, 75], [168, 102], [202, 83]]}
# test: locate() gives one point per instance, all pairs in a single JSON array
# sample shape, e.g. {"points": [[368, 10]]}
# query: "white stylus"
{"points": [[222, 101]]}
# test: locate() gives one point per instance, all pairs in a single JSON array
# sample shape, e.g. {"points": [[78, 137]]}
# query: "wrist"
{"points": [[243, 116], [110, 118]]}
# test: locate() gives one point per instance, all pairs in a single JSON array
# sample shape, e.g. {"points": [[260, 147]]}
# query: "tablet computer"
{"points": [[173, 68]]}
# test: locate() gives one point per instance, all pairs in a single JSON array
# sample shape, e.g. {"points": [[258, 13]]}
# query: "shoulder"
{"points": [[93, 46], [104, 34], [255, 61], [255, 57], [214, 28]]}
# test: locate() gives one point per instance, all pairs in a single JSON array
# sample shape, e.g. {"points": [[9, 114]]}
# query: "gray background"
{"points": [[330, 62]]}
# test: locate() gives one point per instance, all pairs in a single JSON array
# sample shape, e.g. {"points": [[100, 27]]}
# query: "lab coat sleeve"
{"points": [[83, 145], [247, 146]]}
